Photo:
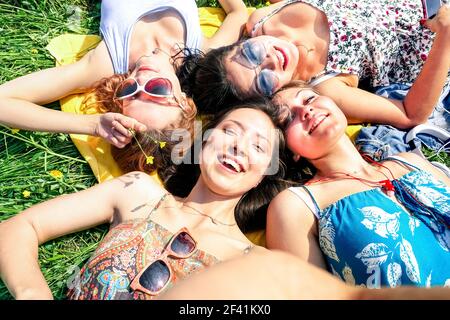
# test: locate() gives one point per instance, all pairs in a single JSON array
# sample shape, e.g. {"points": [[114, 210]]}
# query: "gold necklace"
{"points": [[213, 220]]}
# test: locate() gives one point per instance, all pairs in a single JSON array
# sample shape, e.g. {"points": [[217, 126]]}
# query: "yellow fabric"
{"points": [[352, 131], [211, 19], [69, 48]]}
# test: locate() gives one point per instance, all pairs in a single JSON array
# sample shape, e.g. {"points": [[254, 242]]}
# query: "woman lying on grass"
{"points": [[132, 73], [372, 224], [156, 239]]}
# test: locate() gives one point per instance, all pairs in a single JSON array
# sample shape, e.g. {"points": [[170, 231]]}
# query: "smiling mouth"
{"points": [[146, 68], [231, 164], [282, 57], [317, 122]]}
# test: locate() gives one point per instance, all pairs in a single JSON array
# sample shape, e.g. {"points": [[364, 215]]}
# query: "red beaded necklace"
{"points": [[386, 184]]}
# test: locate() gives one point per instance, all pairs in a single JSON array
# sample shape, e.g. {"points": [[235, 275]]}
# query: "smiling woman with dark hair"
{"points": [[334, 45], [370, 223], [155, 238]]}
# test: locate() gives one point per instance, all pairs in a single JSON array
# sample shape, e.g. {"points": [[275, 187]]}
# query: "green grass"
{"points": [[27, 158]]}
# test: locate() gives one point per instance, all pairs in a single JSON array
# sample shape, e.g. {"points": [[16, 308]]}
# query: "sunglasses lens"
{"points": [[156, 276], [267, 81], [127, 88], [159, 87], [254, 52], [183, 244]]}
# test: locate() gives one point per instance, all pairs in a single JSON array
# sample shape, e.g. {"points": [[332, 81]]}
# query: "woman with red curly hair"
{"points": [[132, 72]]}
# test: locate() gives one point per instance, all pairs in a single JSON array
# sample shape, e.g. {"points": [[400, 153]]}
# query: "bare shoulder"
{"points": [[342, 79], [414, 159], [259, 250], [136, 194], [425, 165], [260, 13], [138, 182], [286, 203], [97, 63]]}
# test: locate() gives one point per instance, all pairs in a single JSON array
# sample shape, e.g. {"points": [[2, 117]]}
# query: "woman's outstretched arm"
{"points": [[231, 27], [21, 100], [273, 275], [361, 106], [20, 236], [262, 274]]}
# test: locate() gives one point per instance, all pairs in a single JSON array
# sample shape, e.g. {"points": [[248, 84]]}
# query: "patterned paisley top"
{"points": [[380, 40], [121, 255], [367, 239]]}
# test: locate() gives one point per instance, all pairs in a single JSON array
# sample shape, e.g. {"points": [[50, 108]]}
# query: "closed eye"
{"points": [[229, 131], [258, 148], [309, 100]]}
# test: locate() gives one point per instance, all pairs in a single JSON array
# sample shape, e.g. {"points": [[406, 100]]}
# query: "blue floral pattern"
{"points": [[370, 240]]}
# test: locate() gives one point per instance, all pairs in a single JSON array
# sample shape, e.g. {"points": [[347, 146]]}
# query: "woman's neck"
{"points": [[216, 206], [158, 30], [343, 158]]}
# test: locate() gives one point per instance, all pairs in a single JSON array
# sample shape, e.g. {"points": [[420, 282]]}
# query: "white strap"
{"points": [[299, 192], [315, 81]]}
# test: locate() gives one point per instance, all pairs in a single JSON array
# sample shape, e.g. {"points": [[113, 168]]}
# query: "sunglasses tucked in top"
{"points": [[252, 55], [160, 89], [157, 274]]}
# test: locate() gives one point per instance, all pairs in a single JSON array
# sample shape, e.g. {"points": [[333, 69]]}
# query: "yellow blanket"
{"points": [[69, 48]]}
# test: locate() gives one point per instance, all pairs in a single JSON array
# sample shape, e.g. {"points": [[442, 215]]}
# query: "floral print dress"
{"points": [[125, 250], [380, 40], [369, 240]]}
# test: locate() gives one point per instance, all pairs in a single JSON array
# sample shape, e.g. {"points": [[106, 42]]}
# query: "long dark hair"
{"points": [[250, 212], [204, 78]]}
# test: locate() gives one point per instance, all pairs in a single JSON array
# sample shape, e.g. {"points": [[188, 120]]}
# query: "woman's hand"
{"points": [[441, 21], [114, 127]]}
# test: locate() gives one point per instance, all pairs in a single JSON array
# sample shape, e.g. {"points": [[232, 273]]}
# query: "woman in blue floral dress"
{"points": [[372, 224], [334, 45]]}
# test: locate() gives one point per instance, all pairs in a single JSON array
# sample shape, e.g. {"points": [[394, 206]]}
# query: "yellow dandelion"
{"points": [[56, 174], [162, 144], [34, 51], [14, 131], [149, 159], [26, 194]]}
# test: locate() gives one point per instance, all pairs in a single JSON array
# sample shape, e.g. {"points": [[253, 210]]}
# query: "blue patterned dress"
{"points": [[369, 240]]}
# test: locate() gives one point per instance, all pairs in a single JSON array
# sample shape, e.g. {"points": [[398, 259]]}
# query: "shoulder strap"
{"points": [[261, 21], [308, 199], [403, 161], [321, 77]]}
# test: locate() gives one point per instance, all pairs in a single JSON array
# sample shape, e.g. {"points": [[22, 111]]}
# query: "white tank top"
{"points": [[118, 18]]}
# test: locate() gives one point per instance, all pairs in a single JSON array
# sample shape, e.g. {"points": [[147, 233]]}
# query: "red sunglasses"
{"points": [[154, 87], [157, 274]]}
